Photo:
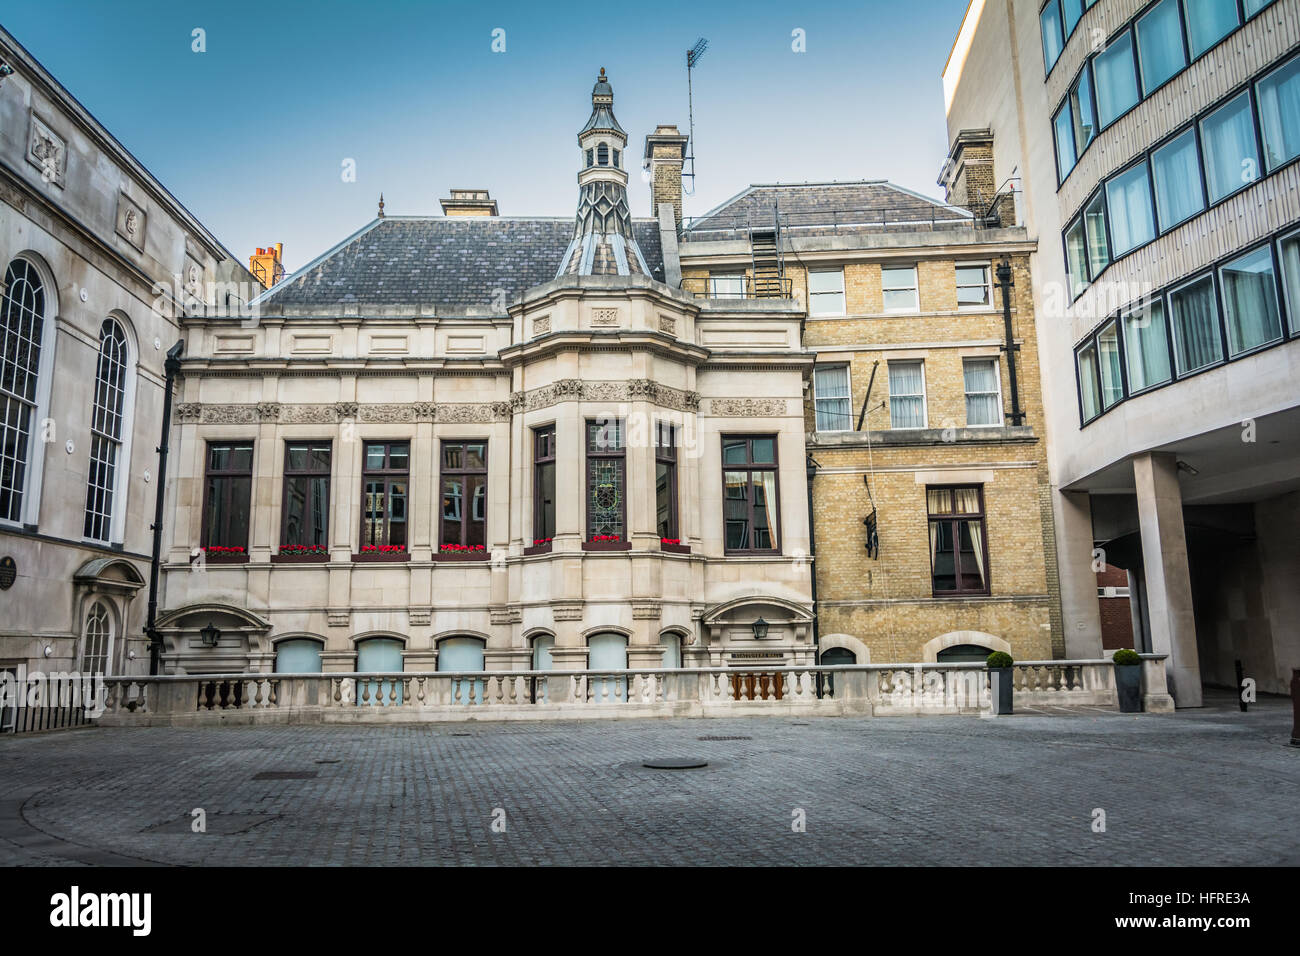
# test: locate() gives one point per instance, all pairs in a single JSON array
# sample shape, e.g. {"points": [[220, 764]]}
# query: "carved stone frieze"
{"points": [[747, 407]]}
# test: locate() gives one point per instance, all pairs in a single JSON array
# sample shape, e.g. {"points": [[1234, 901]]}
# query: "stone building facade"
{"points": [[909, 403], [99, 261], [484, 441]]}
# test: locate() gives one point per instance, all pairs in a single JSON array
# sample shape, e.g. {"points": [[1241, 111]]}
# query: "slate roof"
{"points": [[454, 262], [826, 209]]}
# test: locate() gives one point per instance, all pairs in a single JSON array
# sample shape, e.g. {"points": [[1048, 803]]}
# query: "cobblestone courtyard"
{"points": [[1208, 787]]}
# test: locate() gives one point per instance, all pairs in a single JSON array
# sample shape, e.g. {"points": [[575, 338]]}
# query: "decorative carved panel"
{"points": [[747, 407]]}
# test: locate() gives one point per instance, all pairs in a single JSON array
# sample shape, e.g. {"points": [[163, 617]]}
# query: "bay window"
{"points": [[750, 489], [1194, 316], [464, 496], [666, 483], [832, 411], [1228, 142], [1278, 95], [1250, 301], [1128, 203], [1208, 22], [1117, 88], [1176, 168], [958, 540], [606, 482], [1112, 382], [906, 394], [1160, 45], [1146, 346]]}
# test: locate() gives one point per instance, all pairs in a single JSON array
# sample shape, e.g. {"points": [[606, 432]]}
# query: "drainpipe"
{"points": [[172, 367], [1004, 282], [812, 467]]}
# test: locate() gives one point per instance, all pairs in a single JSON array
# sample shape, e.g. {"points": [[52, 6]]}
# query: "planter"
{"points": [[544, 548], [1128, 686], [1001, 687], [674, 548], [225, 558], [461, 556], [381, 557], [303, 557]]}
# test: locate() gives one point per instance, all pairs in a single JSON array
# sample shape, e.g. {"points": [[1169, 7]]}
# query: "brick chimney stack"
{"points": [[969, 179], [469, 202], [266, 266], [665, 150]]}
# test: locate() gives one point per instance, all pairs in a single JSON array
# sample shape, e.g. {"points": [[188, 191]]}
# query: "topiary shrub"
{"points": [[999, 659], [1126, 656]]}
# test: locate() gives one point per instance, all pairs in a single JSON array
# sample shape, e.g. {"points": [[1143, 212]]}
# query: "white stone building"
{"points": [[97, 260], [475, 441]]}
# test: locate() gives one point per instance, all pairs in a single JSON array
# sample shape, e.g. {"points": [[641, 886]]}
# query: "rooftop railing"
{"points": [[834, 222]]}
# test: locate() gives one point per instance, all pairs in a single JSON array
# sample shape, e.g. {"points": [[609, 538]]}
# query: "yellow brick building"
{"points": [[909, 412]]}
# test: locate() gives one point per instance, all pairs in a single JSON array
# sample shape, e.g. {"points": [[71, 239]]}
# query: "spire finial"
{"points": [[381, 205]]}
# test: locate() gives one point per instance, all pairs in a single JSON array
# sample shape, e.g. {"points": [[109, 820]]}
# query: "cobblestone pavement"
{"points": [[1211, 786]]}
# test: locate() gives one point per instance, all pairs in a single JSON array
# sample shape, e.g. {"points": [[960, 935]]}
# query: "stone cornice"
{"points": [[551, 343], [577, 390]]}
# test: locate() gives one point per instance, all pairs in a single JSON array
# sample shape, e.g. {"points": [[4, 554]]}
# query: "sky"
{"points": [[254, 134]]}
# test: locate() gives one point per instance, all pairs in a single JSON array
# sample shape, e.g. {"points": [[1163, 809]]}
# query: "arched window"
{"points": [[672, 645], [590, 160], [607, 652], [106, 424], [602, 155], [462, 654], [542, 646], [300, 655], [834, 657], [378, 655], [960, 653], [97, 644], [22, 324]]}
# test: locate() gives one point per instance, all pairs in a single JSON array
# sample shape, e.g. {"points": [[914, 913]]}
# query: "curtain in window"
{"points": [[1094, 220], [765, 509], [1279, 114], [1160, 44], [972, 546], [1250, 301], [1088, 381], [1146, 347], [1128, 197], [1196, 326], [1116, 83], [1228, 137], [1177, 172], [981, 379], [1112, 385], [906, 401], [1064, 141], [831, 394], [1289, 250], [1208, 22]]}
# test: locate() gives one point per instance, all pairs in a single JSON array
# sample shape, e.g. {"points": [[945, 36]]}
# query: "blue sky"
{"points": [[252, 134]]}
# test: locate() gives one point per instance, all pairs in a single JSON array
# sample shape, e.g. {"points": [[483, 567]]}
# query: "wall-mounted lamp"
{"points": [[210, 635], [760, 628]]}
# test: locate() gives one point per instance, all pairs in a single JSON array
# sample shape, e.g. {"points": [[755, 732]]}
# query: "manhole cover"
{"points": [[724, 738], [285, 775], [676, 763]]}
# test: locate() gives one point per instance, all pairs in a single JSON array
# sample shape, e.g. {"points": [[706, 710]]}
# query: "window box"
{"points": [[539, 546], [380, 553], [460, 552], [301, 554], [606, 542], [672, 546], [224, 555]]}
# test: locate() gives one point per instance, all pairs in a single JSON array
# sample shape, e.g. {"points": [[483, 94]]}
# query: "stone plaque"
{"points": [[8, 573], [130, 221]]}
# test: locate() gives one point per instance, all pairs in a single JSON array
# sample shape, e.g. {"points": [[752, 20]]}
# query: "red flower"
{"points": [[605, 537], [537, 541], [223, 549], [670, 540]]}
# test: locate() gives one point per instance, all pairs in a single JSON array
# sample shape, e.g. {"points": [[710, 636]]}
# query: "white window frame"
{"points": [[813, 296], [728, 276], [110, 641], [997, 375], [848, 377], [914, 288], [30, 512], [988, 286], [925, 398]]}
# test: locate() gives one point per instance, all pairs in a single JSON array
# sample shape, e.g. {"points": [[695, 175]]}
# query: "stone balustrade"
{"points": [[869, 689]]}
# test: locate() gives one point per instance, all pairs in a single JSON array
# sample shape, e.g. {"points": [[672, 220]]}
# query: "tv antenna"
{"points": [[692, 57]]}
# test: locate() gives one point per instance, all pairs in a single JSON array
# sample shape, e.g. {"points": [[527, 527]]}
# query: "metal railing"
{"points": [[834, 222], [736, 287]]}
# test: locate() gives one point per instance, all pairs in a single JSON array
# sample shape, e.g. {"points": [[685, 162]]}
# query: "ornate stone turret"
{"points": [[603, 243]]}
